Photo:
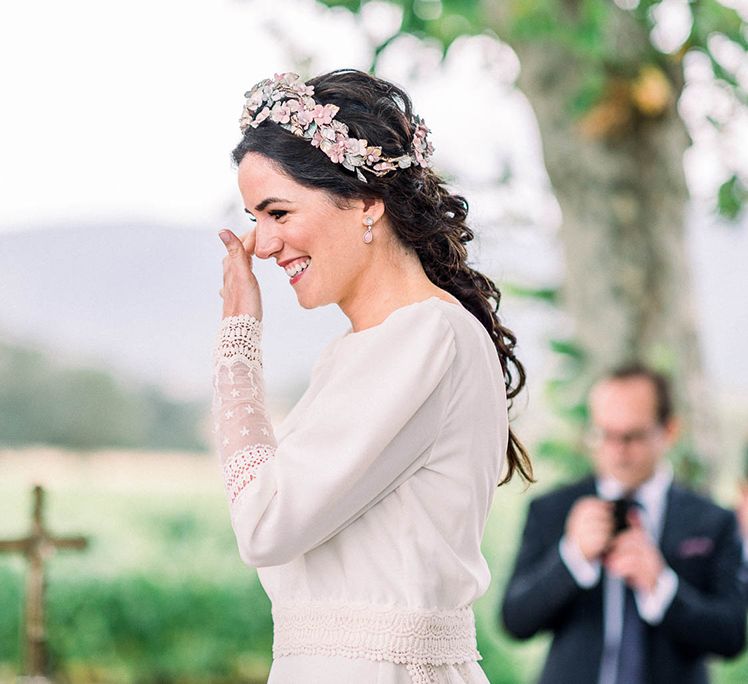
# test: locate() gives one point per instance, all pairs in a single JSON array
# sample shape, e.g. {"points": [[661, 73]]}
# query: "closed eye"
{"points": [[275, 213]]}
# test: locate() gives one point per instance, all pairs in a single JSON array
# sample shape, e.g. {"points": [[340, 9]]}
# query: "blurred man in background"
{"points": [[635, 577]]}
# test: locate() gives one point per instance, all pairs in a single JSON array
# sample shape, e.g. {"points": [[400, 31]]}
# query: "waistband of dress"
{"points": [[377, 632]]}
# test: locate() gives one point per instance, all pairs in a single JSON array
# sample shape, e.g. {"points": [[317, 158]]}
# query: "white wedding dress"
{"points": [[363, 511]]}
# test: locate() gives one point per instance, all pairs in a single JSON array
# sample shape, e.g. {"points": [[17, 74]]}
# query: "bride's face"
{"points": [[318, 244]]}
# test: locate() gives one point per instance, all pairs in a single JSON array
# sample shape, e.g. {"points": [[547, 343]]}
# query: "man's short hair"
{"points": [[660, 384]]}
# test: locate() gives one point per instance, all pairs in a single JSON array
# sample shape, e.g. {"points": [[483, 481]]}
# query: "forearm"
{"points": [[243, 433], [240, 418], [537, 594]]}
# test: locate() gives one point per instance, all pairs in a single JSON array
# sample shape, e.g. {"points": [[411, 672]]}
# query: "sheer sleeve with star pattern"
{"points": [[244, 434]]}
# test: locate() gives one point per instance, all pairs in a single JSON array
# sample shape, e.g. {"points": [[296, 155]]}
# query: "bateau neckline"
{"points": [[350, 333]]}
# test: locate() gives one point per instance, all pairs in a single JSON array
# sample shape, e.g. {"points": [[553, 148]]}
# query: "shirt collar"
{"points": [[648, 494]]}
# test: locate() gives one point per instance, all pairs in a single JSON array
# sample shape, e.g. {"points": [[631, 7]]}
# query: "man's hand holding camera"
{"points": [[634, 557], [589, 526], [623, 547]]}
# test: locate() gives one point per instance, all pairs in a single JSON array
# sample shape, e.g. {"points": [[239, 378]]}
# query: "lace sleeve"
{"points": [[243, 433]]}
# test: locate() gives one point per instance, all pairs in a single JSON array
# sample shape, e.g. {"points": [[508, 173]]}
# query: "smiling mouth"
{"points": [[297, 267]]}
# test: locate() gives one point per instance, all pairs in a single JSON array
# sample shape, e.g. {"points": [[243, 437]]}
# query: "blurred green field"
{"points": [[161, 597]]}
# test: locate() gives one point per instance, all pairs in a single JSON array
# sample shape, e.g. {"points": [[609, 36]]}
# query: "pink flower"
{"points": [[355, 147], [245, 120], [260, 117], [323, 114], [305, 117], [422, 148], [254, 99], [373, 154], [317, 139], [280, 113], [328, 133], [336, 152], [286, 78]]}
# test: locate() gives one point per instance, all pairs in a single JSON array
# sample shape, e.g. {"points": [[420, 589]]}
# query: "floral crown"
{"points": [[286, 100]]}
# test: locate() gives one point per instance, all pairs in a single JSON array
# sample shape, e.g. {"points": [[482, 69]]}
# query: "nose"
{"points": [[267, 240]]}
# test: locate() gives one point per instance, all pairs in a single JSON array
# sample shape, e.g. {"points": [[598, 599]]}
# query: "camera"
{"points": [[621, 508]]}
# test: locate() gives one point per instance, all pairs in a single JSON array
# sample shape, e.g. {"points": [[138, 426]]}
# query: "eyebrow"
{"points": [[268, 200]]}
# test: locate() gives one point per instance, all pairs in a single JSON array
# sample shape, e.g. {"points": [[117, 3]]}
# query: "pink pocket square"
{"points": [[695, 546]]}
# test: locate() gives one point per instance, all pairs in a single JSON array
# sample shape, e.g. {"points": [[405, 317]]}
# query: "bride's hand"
{"points": [[240, 291]]}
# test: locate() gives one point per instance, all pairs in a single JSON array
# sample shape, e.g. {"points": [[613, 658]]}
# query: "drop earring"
{"points": [[368, 235]]}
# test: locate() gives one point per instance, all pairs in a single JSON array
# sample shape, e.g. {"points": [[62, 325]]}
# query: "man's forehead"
{"points": [[636, 393]]}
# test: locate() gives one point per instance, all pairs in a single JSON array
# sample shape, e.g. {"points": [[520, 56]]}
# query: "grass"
{"points": [[160, 595]]}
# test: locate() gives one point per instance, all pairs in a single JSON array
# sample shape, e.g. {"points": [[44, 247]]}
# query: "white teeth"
{"points": [[297, 267]]}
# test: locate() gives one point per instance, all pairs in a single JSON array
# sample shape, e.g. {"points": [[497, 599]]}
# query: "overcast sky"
{"points": [[128, 110]]}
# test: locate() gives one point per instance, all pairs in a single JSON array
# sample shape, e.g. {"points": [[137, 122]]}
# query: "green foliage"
{"points": [[142, 629], [689, 468], [710, 17], [570, 349], [731, 197], [549, 295], [84, 408], [586, 32], [579, 27], [567, 457], [10, 609]]}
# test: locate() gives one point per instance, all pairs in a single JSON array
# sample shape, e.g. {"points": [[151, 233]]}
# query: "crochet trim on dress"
{"points": [[398, 635], [239, 340], [242, 467]]}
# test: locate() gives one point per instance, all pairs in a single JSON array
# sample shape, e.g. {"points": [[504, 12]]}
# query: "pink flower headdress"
{"points": [[287, 101]]}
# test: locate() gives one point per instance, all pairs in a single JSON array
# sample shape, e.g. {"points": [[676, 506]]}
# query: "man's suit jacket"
{"points": [[700, 542]]}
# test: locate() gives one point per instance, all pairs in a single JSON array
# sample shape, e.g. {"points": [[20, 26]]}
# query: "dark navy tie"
{"points": [[631, 664], [631, 655]]}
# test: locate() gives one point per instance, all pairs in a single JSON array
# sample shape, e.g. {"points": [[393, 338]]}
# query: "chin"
{"points": [[305, 305], [631, 480], [309, 301]]}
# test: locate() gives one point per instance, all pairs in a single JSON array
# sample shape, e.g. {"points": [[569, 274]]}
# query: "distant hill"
{"points": [[142, 300], [43, 402]]}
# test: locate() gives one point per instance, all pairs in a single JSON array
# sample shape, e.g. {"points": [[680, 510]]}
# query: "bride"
{"points": [[363, 511]]}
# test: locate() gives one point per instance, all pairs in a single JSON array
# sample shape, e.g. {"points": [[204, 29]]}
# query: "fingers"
{"points": [[590, 526], [233, 244], [238, 260], [635, 558], [634, 518], [631, 539], [248, 240], [240, 291]]}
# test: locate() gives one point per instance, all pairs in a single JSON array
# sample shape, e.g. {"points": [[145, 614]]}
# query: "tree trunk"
{"points": [[622, 192]]}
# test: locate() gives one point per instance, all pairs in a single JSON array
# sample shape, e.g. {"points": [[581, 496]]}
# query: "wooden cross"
{"points": [[37, 547]]}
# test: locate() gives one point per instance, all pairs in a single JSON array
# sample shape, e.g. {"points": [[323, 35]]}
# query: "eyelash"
{"points": [[277, 213]]}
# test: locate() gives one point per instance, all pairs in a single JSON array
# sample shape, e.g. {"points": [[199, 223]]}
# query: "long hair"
{"points": [[424, 215]]}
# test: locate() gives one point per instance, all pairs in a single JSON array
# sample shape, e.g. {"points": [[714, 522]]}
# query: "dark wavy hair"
{"points": [[424, 215]]}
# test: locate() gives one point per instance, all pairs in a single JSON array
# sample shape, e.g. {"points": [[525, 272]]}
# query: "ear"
{"points": [[672, 430], [373, 207]]}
